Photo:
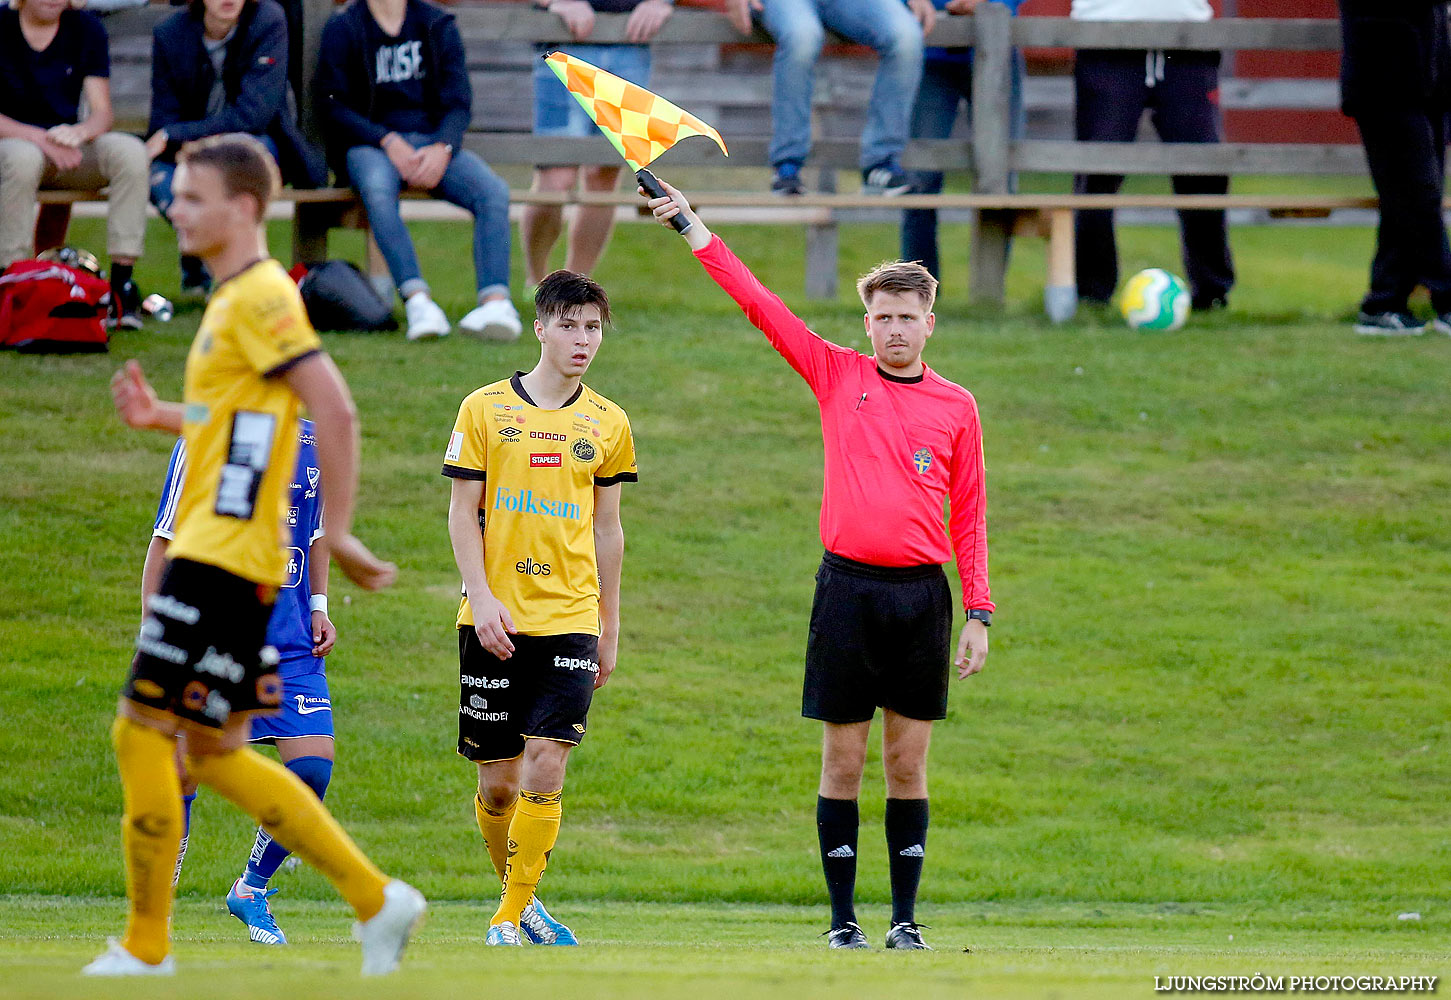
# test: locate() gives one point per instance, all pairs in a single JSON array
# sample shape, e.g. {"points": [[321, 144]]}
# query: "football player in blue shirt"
{"points": [[302, 635]]}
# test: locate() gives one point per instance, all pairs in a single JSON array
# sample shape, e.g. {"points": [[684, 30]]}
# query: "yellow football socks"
{"points": [[531, 837], [150, 833], [290, 811], [495, 828]]}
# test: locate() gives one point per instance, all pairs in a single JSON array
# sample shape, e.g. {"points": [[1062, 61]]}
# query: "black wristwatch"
{"points": [[980, 614]]}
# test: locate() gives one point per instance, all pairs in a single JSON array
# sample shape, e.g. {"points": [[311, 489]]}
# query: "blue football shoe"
{"points": [[504, 934], [540, 928], [249, 905]]}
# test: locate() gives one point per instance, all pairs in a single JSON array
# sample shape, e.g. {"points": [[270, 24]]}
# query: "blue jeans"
{"points": [[468, 183], [946, 88], [798, 26]]}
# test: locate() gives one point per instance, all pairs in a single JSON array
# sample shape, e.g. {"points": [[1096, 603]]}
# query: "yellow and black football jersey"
{"points": [[540, 469], [241, 425]]}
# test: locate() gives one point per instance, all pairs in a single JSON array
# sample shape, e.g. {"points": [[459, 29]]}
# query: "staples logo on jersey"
{"points": [[527, 502], [487, 683], [528, 567], [548, 436], [546, 460]]}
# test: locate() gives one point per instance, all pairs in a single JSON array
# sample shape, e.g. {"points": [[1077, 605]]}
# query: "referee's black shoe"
{"points": [[848, 935], [907, 937]]}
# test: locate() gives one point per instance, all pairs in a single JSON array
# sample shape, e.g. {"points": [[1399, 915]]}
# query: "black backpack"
{"points": [[339, 297]]}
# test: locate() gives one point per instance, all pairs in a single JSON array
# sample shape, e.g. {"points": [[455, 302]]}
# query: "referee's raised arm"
{"points": [[820, 363]]}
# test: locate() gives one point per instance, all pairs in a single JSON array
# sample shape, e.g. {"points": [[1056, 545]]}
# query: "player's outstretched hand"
{"points": [[675, 204], [971, 649], [360, 565], [135, 399], [493, 624]]}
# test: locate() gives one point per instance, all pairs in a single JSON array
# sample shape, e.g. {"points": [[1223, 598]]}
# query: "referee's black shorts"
{"points": [[880, 636]]}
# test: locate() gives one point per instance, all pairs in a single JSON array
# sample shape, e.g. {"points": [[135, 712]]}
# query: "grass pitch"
{"points": [[1215, 702]]}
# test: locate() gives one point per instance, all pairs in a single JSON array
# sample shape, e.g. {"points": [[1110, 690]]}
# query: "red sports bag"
{"points": [[50, 308]]}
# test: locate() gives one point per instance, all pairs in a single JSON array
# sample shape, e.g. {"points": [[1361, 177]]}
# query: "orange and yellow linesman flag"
{"points": [[641, 125]]}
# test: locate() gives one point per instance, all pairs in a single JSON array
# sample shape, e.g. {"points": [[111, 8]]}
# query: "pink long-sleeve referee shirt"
{"points": [[897, 449]]}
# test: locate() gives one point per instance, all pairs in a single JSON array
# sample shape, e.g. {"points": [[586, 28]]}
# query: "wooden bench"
{"points": [[989, 153]]}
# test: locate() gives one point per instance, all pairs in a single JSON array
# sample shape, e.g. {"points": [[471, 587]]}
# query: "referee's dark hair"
{"points": [[563, 292], [244, 163], [899, 277]]}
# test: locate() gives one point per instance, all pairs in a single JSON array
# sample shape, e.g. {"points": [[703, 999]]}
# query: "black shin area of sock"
{"points": [[906, 845], [836, 830]]}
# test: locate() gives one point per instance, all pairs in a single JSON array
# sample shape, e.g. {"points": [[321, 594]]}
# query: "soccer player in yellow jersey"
{"points": [[536, 461], [202, 666]]}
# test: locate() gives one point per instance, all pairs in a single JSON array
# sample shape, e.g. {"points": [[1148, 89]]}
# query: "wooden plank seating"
{"points": [[989, 153]]}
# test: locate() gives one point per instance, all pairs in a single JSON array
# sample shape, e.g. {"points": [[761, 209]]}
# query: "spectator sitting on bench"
{"points": [[220, 66], [946, 89], [557, 113], [393, 94], [1112, 88], [799, 28], [50, 57]]}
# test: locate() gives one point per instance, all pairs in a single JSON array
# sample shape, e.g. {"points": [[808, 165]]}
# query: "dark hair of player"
{"points": [[562, 292], [244, 163], [899, 277]]}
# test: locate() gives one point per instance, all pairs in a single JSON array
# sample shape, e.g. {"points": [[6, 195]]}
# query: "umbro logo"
{"points": [[845, 851], [915, 851]]}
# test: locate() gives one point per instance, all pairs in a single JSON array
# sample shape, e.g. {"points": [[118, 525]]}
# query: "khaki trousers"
{"points": [[115, 161]]}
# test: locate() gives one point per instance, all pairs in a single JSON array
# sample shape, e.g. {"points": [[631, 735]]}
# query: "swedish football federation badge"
{"points": [[922, 459]]}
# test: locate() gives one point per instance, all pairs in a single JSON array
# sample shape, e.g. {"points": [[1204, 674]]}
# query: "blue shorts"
{"points": [[556, 112], [307, 710]]}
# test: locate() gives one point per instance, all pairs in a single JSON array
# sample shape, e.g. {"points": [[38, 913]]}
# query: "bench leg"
{"points": [[51, 225], [1060, 294], [822, 248], [987, 284], [309, 233]]}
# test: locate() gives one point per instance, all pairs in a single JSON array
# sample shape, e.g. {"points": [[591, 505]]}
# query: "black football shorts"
{"points": [[881, 636], [543, 691], [202, 654]]}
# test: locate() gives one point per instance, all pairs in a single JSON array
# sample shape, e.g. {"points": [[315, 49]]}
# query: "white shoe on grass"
{"points": [[386, 935], [425, 319], [496, 319], [117, 961]]}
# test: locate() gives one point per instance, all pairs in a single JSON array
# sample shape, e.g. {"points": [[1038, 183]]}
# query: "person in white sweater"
{"points": [[1180, 88]]}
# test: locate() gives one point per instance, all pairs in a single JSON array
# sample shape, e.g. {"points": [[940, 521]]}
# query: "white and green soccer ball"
{"points": [[1155, 300]]}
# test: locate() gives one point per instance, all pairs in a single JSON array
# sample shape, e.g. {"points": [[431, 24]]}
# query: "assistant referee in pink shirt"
{"points": [[900, 441]]}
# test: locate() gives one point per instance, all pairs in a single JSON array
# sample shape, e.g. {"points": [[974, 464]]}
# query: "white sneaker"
{"points": [[425, 319], [117, 961], [386, 935], [496, 319]]}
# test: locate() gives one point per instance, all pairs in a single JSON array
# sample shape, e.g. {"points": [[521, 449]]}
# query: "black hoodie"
{"points": [[346, 92]]}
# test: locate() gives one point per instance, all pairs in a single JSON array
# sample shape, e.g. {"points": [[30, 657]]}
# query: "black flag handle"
{"points": [[652, 187]]}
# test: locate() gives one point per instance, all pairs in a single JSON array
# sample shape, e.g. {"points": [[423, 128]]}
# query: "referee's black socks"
{"points": [[836, 829], [906, 846]]}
